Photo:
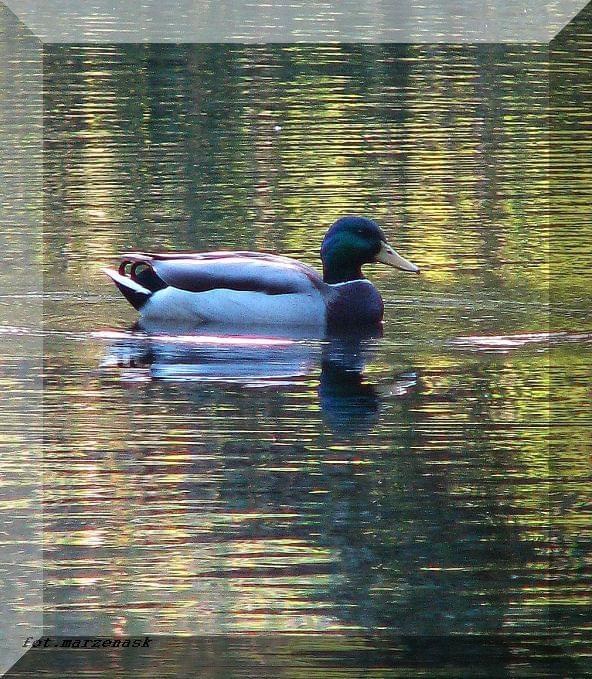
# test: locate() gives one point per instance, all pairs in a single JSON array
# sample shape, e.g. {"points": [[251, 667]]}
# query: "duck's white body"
{"points": [[236, 307], [234, 288]]}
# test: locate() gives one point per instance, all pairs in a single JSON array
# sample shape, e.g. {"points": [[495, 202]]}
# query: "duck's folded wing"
{"points": [[253, 272]]}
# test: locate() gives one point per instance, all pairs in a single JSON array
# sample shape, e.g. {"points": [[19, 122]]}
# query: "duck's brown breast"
{"points": [[354, 303]]}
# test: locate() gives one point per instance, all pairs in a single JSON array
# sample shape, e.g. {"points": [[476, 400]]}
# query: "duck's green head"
{"points": [[352, 242]]}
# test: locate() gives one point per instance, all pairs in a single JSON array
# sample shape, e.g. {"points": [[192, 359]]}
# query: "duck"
{"points": [[245, 289]]}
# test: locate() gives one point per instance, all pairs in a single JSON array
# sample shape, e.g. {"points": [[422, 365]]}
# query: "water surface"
{"points": [[399, 483]]}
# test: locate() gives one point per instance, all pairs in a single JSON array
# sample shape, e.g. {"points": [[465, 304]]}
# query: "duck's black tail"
{"points": [[137, 295]]}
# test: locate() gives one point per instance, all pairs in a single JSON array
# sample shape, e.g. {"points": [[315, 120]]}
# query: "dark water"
{"points": [[394, 485]]}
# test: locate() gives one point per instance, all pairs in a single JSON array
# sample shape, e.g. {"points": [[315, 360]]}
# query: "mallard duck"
{"points": [[253, 288]]}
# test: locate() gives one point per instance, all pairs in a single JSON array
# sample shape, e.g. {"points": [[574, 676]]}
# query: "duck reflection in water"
{"points": [[350, 404], [263, 358]]}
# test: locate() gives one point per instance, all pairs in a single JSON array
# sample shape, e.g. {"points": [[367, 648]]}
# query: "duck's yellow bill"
{"points": [[387, 255]]}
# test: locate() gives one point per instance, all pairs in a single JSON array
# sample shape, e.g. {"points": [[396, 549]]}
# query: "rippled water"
{"points": [[209, 484]]}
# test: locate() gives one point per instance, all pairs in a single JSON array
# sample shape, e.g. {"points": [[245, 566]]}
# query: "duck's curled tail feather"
{"points": [[137, 295], [136, 278]]}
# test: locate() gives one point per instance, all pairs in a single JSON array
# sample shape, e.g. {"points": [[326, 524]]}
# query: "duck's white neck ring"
{"points": [[355, 280]]}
